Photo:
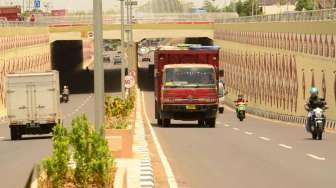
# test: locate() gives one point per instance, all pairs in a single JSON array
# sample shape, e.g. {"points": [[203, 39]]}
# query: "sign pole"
{"points": [[122, 49], [98, 64]]}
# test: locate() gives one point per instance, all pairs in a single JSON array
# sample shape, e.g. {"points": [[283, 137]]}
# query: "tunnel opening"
{"points": [[67, 58]]}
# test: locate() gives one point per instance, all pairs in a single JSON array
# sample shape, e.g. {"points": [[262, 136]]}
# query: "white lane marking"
{"points": [[285, 146], [226, 125], [236, 129], [316, 157], [264, 138], [218, 122], [248, 133], [168, 170], [2, 137]]}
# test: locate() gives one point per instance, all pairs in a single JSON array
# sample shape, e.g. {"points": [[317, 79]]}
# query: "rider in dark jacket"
{"points": [[314, 102]]}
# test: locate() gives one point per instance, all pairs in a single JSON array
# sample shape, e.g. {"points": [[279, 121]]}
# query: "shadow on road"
{"points": [[189, 125], [29, 138]]}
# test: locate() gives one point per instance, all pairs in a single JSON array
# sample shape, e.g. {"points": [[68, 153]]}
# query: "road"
{"points": [[18, 157], [254, 153]]}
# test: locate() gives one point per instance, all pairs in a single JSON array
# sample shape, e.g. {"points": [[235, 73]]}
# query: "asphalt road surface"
{"points": [[254, 153], [18, 157]]}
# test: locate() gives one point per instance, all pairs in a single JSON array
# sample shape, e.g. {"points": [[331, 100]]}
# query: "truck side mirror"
{"points": [[221, 73]]}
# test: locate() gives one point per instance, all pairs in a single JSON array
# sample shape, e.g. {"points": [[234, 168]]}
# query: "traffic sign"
{"points": [[129, 82], [37, 3], [133, 73]]}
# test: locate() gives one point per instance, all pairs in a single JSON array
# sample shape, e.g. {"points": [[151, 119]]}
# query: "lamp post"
{"points": [[122, 35], [98, 64]]}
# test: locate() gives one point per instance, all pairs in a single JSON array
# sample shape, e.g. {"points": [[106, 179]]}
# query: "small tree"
{"points": [[56, 166], [304, 4], [210, 7]]}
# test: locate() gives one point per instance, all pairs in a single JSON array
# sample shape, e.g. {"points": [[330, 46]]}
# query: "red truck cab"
{"points": [[186, 84]]}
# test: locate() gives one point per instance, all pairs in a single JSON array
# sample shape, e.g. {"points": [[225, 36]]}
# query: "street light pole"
{"points": [[128, 18], [98, 64], [122, 48]]}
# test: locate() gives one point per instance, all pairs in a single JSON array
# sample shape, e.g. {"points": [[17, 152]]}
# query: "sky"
{"points": [[86, 5]]}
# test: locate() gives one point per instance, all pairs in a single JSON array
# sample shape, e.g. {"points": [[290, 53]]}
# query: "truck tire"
{"points": [[211, 122], [15, 134], [159, 121], [201, 122], [220, 110], [165, 122]]}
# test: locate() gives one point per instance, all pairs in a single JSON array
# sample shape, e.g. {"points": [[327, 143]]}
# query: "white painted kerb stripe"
{"points": [[170, 176], [316, 157], [264, 138], [285, 146]]}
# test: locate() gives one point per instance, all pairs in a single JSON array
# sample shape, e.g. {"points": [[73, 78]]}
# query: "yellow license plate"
{"points": [[191, 107]]}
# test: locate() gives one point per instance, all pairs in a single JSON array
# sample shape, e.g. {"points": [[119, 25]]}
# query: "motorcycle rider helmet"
{"points": [[240, 97], [313, 91]]}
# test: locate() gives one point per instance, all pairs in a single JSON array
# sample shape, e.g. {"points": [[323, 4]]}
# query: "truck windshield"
{"points": [[190, 77]]}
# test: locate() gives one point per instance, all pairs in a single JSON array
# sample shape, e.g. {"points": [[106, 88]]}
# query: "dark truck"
{"points": [[186, 84]]}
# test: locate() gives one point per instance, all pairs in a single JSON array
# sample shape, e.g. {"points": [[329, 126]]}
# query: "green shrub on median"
{"points": [[93, 160], [117, 110]]}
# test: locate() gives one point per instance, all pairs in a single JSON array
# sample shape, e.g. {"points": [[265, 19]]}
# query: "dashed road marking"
{"points": [[248, 133], [236, 129], [316, 157], [2, 137], [264, 138], [227, 125], [285, 146]]}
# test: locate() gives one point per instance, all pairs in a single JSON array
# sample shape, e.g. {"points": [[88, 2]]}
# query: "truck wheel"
{"points": [[165, 122], [211, 122], [201, 122], [319, 136], [314, 135], [159, 121], [220, 110], [15, 134]]}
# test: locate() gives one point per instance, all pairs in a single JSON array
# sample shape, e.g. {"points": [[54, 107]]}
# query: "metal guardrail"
{"points": [[313, 15], [139, 18], [4, 23]]}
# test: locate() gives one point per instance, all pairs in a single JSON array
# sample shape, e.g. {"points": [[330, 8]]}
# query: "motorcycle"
{"points": [[317, 123], [241, 109], [64, 98]]}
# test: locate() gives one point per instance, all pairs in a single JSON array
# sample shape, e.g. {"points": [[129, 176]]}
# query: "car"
{"points": [[117, 59], [146, 59]]}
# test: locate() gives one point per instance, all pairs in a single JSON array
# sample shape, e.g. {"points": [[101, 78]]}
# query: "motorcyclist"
{"points": [[240, 100], [65, 90], [314, 102]]}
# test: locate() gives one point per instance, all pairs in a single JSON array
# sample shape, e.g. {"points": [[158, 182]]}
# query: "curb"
{"points": [[146, 178]]}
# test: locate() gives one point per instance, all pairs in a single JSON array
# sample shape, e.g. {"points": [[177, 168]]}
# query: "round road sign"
{"points": [[129, 82]]}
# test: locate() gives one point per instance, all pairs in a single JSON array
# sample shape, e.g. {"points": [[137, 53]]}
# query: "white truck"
{"points": [[32, 102]]}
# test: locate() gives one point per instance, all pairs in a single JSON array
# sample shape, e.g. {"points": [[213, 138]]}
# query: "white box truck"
{"points": [[32, 102]]}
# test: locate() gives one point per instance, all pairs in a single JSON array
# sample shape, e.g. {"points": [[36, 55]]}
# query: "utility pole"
{"points": [[98, 64], [128, 19], [122, 24], [252, 7]]}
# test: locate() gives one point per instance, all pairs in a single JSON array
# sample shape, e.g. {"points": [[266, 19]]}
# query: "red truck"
{"points": [[186, 84], [11, 13]]}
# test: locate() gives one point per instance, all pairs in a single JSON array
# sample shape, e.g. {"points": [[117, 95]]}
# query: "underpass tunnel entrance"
{"points": [[67, 57]]}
